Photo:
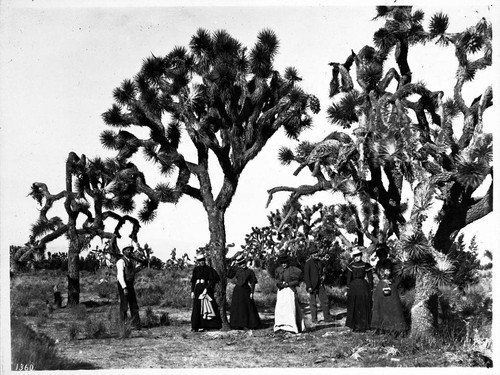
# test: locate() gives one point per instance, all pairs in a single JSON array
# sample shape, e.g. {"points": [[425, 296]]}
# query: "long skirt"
{"points": [[387, 313], [243, 312], [197, 319], [359, 305], [287, 314]]}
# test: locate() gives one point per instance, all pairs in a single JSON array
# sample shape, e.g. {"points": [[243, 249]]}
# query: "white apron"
{"points": [[287, 314]]}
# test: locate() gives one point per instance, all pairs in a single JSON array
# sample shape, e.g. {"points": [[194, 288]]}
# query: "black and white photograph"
{"points": [[248, 186]]}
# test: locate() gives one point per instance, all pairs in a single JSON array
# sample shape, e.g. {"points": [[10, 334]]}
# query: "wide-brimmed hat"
{"points": [[240, 259], [128, 248], [313, 249], [283, 258], [357, 250], [199, 256]]}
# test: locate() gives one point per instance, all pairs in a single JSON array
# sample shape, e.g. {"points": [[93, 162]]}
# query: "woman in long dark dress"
{"points": [[243, 312], [359, 292], [205, 314], [387, 313]]}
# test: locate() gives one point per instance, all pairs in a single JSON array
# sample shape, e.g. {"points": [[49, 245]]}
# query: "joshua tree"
{"points": [[87, 181], [406, 143], [229, 100]]}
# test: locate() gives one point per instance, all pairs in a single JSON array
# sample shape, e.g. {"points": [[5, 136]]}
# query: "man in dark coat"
{"points": [[314, 279], [125, 274]]}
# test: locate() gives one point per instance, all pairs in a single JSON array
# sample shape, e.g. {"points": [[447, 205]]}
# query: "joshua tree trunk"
{"points": [[73, 272], [422, 319], [218, 256]]}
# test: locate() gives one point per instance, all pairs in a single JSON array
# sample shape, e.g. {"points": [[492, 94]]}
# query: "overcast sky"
{"points": [[60, 64]]}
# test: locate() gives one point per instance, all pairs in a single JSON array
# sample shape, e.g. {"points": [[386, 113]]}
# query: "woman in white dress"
{"points": [[287, 314]]}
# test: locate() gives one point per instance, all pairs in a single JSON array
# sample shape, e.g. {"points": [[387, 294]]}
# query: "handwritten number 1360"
{"points": [[24, 367]]}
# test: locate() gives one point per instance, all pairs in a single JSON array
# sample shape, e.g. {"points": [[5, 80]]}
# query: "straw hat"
{"points": [[240, 259], [357, 250], [199, 257]]}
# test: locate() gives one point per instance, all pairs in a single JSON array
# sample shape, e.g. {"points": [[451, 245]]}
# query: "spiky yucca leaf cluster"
{"points": [[437, 28], [443, 270], [263, 53], [343, 113], [400, 21], [166, 192], [148, 212], [285, 156], [42, 227], [483, 148], [348, 187], [36, 193], [471, 173]]}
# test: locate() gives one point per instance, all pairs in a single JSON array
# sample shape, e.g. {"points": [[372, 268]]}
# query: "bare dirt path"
{"points": [[175, 346]]}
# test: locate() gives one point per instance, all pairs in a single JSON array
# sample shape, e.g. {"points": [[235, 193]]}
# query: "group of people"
{"points": [[205, 313], [367, 308]]}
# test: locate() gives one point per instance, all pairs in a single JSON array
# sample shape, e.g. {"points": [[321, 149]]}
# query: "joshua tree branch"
{"points": [[298, 192]]}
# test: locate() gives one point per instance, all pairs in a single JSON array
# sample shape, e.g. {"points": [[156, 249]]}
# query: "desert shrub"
{"points": [[73, 330], [95, 328], [114, 320], [337, 296], [164, 319], [265, 283], [165, 288], [466, 318], [106, 289], [125, 328], [26, 294], [177, 296], [150, 295], [466, 264], [79, 312], [265, 290], [37, 350], [150, 319], [90, 263]]}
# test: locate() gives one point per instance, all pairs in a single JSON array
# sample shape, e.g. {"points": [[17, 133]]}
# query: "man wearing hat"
{"points": [[314, 279], [125, 274]]}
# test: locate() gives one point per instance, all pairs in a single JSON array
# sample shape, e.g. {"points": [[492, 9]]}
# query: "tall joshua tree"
{"points": [[229, 100], [403, 141], [94, 190]]}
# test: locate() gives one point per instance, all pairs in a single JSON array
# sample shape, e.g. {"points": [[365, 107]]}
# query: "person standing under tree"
{"points": [[205, 313], [125, 273], [387, 313], [359, 292], [243, 312], [314, 278]]}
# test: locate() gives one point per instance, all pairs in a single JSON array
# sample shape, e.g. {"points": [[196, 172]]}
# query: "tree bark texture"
{"points": [[422, 319], [73, 273], [217, 247]]}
